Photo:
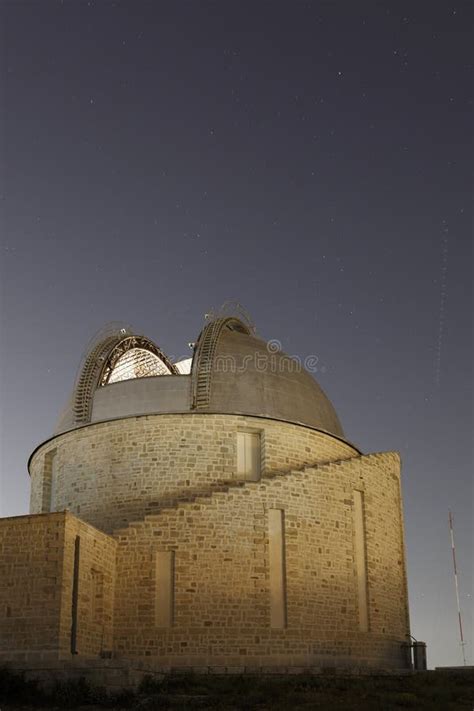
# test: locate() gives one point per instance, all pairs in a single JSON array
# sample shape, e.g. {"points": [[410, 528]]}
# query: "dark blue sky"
{"points": [[309, 159]]}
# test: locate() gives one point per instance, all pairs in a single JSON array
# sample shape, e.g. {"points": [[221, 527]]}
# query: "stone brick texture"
{"points": [[169, 483], [222, 578], [36, 577], [116, 472]]}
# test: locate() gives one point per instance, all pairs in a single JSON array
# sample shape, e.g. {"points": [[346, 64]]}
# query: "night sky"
{"points": [[308, 159]]}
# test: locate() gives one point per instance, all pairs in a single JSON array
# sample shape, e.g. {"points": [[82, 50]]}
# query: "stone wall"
{"points": [[193, 585], [221, 607], [96, 587], [112, 473], [36, 580], [31, 559]]}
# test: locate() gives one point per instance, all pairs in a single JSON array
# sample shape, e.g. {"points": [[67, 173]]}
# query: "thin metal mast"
{"points": [[457, 587]]}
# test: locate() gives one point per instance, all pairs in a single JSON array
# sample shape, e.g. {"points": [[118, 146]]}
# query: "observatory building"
{"points": [[204, 514]]}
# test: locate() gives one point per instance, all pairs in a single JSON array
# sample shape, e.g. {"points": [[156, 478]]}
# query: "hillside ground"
{"points": [[433, 690]]}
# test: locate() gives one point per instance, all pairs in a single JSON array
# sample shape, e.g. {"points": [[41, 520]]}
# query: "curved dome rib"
{"points": [[104, 359], [203, 361], [88, 378]]}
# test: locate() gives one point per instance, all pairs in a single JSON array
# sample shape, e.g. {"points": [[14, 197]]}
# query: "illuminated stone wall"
{"points": [[36, 579], [112, 473], [222, 574], [31, 550], [263, 574]]}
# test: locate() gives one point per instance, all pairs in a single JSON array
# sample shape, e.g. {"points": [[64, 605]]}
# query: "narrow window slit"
{"points": [[360, 552], [276, 544], [164, 588]]}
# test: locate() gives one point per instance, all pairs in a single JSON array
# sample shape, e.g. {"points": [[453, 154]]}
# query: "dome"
{"points": [[232, 371], [246, 375]]}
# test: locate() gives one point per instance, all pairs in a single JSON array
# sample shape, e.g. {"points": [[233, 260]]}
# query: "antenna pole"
{"points": [[451, 529]]}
